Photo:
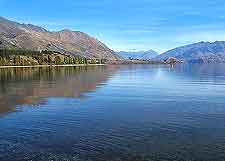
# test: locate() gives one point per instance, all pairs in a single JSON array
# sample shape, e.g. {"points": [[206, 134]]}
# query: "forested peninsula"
{"points": [[22, 57]]}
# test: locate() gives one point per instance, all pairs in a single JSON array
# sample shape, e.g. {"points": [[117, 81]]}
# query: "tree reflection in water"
{"points": [[20, 86]]}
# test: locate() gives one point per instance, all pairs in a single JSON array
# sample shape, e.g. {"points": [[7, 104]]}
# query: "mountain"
{"points": [[28, 36], [202, 52], [143, 55]]}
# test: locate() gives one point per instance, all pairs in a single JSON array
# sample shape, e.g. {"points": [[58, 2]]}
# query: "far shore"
{"points": [[39, 66], [121, 62]]}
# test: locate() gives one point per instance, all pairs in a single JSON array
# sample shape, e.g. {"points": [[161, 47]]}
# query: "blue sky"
{"points": [[127, 24]]}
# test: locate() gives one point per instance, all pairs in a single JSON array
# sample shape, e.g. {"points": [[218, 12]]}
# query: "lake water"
{"points": [[113, 113]]}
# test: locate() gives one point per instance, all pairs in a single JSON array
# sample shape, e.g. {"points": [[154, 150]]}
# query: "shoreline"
{"points": [[40, 66]]}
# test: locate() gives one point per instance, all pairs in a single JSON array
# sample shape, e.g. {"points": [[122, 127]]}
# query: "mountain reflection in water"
{"points": [[19, 86]]}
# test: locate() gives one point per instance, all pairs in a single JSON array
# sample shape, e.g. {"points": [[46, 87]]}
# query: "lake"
{"points": [[113, 113]]}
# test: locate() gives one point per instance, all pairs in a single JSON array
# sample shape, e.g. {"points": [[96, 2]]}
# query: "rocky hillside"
{"points": [[141, 55], [202, 52], [27, 36]]}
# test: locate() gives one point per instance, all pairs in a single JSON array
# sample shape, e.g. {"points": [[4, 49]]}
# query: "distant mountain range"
{"points": [[27, 36], [202, 52], [142, 55]]}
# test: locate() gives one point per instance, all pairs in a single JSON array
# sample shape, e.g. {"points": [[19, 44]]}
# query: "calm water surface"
{"points": [[113, 113]]}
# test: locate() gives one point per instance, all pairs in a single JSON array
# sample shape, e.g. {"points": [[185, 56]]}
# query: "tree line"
{"points": [[29, 57]]}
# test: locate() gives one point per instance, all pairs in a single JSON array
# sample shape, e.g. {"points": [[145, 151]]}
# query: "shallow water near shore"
{"points": [[117, 113]]}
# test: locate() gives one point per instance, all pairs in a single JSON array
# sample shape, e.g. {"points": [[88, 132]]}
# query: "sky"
{"points": [[126, 24]]}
